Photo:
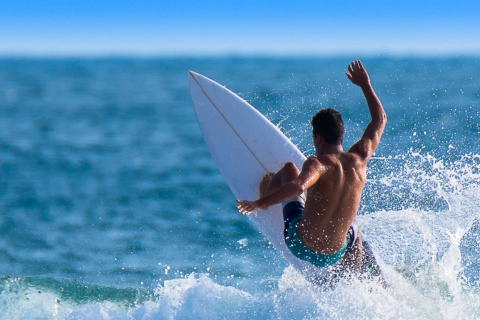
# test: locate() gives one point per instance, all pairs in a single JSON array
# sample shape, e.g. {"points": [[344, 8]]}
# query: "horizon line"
{"points": [[233, 55]]}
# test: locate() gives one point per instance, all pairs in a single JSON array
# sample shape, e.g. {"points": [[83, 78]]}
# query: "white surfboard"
{"points": [[245, 146]]}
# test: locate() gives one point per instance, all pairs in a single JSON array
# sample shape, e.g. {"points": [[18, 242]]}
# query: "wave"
{"points": [[412, 293]]}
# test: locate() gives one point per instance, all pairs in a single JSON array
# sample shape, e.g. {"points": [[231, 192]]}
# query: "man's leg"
{"points": [[272, 181], [352, 259]]}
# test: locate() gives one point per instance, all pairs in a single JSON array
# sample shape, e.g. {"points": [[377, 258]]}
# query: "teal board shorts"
{"points": [[292, 215]]}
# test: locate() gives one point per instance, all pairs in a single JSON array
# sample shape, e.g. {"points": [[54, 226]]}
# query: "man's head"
{"points": [[328, 124]]}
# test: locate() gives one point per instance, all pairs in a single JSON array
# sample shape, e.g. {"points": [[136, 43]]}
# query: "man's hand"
{"points": [[358, 75], [246, 207]]}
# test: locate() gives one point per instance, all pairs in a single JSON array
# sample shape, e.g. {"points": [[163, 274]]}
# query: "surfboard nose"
{"points": [[192, 74]]}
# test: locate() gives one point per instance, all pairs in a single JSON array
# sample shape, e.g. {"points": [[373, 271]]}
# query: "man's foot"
{"points": [[265, 183]]}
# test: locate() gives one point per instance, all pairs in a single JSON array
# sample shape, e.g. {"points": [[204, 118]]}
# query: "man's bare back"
{"points": [[334, 179], [332, 202]]}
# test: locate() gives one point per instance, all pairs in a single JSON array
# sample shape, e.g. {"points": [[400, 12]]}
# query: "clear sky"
{"points": [[219, 27]]}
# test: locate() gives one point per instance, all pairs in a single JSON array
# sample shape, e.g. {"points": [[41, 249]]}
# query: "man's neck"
{"points": [[330, 149]]}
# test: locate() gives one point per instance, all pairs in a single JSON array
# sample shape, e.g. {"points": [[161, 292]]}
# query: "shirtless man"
{"points": [[321, 228]]}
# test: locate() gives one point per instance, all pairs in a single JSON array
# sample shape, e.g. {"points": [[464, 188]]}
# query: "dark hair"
{"points": [[328, 123]]}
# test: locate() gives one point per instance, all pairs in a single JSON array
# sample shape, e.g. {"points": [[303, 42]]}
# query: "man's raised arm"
{"points": [[370, 140]]}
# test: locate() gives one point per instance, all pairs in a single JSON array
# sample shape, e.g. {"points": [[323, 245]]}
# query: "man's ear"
{"points": [[318, 138]]}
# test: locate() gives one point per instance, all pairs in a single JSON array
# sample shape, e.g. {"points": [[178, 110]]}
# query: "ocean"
{"points": [[112, 208]]}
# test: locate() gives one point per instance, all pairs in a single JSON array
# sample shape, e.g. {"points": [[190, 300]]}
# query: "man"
{"points": [[321, 228]]}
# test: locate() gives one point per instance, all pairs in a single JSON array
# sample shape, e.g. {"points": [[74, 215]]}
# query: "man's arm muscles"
{"points": [[310, 173], [373, 133], [307, 177], [374, 105], [371, 137]]}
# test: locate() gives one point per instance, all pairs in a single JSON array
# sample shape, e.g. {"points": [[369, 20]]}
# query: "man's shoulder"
{"points": [[320, 163], [312, 161], [331, 161], [354, 160], [327, 160], [353, 155]]}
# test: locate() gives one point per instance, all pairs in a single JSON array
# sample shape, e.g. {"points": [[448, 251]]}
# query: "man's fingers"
{"points": [[243, 207], [246, 207], [245, 211]]}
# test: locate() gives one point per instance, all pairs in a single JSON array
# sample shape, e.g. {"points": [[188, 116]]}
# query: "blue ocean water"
{"points": [[111, 207]]}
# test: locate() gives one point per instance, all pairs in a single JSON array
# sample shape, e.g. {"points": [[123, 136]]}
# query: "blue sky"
{"points": [[224, 27]]}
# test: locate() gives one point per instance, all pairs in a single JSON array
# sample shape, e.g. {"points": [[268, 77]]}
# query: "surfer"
{"points": [[320, 202]]}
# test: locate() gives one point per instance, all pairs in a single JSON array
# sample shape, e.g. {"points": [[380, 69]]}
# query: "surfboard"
{"points": [[245, 146]]}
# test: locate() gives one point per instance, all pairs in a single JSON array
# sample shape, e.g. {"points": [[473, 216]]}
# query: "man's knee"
{"points": [[290, 167], [289, 172]]}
